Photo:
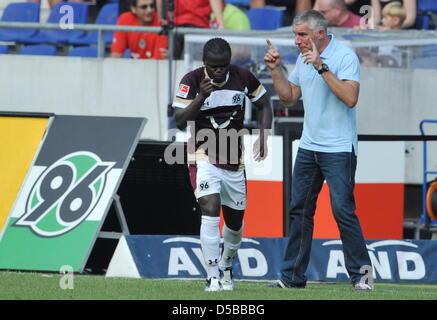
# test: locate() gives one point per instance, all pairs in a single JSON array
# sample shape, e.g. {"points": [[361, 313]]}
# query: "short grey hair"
{"points": [[314, 18]]}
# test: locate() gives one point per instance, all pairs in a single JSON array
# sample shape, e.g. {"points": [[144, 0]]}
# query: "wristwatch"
{"points": [[323, 69]]}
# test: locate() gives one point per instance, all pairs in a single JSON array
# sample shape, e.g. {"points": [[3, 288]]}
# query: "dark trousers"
{"points": [[310, 170]]}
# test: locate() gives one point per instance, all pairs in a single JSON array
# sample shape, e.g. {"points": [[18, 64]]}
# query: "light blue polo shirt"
{"points": [[329, 125]]}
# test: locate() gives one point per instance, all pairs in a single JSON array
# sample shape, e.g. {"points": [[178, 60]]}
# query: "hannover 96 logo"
{"points": [[65, 194]]}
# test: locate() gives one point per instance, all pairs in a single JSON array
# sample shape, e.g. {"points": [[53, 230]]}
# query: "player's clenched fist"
{"points": [[272, 58], [205, 87]]}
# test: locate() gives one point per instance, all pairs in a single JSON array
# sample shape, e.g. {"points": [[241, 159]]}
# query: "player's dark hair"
{"points": [[216, 46]]}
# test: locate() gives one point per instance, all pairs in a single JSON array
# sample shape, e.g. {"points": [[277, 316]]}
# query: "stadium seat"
{"points": [[267, 18], [239, 3], [424, 63], [39, 50], [108, 14], [422, 22], [427, 5], [56, 14], [84, 52], [19, 12], [426, 14], [4, 49]]}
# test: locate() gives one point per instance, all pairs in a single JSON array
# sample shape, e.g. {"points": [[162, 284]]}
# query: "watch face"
{"points": [[325, 67]]}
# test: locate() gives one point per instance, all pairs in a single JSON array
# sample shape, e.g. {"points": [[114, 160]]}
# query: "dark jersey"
{"points": [[217, 133]]}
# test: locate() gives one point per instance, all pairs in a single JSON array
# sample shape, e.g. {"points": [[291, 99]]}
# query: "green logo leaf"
{"points": [[65, 194]]}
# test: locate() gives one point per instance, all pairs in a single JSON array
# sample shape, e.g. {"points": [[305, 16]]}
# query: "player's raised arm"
{"points": [[288, 93], [182, 116]]}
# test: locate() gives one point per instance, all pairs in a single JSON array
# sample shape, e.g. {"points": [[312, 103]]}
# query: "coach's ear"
{"points": [[321, 34]]}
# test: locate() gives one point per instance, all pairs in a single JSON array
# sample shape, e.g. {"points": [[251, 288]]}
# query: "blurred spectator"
{"points": [[233, 17], [141, 45], [337, 14], [291, 7], [410, 9], [193, 14], [393, 16], [354, 6]]}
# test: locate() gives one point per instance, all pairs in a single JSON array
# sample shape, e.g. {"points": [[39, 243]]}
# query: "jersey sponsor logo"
{"points": [[183, 90]]}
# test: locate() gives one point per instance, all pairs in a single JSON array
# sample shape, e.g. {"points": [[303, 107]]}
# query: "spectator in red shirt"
{"points": [[197, 13], [337, 14], [193, 14], [141, 45]]}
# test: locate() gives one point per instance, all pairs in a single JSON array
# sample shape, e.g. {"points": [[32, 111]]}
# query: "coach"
{"points": [[326, 75]]}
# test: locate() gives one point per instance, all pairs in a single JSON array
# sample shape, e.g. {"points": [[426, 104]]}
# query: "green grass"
{"points": [[40, 286]]}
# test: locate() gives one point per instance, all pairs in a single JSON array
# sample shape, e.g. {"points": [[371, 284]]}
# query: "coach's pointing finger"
{"points": [[272, 58]]}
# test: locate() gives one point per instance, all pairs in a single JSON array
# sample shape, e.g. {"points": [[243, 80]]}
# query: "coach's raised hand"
{"points": [[313, 56], [272, 58]]}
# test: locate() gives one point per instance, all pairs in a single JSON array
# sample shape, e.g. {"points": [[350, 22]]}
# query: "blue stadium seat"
{"points": [[267, 18], [108, 14], [426, 13], [39, 50], [85, 52], [80, 15], [239, 3], [427, 5], [424, 63], [422, 22], [19, 12], [4, 49]]}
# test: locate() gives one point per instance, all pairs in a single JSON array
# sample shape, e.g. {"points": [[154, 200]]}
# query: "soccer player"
{"points": [[211, 100]]}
